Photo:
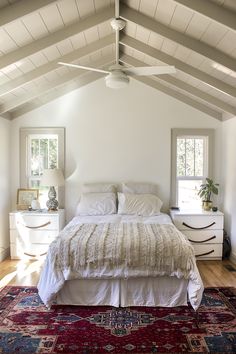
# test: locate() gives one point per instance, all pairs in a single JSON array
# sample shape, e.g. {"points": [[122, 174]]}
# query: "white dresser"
{"points": [[204, 229], [31, 232]]}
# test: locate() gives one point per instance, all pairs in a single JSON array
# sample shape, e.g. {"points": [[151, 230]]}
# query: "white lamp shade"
{"points": [[52, 177]]}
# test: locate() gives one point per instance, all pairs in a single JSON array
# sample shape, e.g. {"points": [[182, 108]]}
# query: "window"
{"points": [[191, 164], [42, 154], [41, 148]]}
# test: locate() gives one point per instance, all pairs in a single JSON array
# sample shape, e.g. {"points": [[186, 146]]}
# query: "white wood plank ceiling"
{"points": [[197, 36]]}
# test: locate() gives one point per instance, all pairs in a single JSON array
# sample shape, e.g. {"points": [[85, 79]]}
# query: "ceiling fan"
{"points": [[118, 75]]}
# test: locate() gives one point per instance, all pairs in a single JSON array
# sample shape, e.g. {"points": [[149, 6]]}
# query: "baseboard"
{"points": [[4, 254], [233, 257]]}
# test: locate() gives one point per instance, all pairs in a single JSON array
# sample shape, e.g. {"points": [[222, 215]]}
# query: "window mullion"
{"points": [[185, 158]]}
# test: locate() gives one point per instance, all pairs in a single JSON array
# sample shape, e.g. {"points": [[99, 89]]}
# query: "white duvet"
{"points": [[63, 263]]}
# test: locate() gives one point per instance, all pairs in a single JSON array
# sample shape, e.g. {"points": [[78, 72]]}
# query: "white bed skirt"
{"points": [[158, 291]]}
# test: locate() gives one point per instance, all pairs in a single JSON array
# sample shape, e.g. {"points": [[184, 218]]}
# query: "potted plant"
{"points": [[205, 192]]}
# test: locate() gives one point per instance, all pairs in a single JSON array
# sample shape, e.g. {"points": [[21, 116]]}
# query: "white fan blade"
{"points": [[150, 70], [84, 67]]}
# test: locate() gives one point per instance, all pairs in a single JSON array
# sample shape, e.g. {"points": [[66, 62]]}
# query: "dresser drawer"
{"points": [[33, 236], [45, 222], [18, 251], [196, 222], [208, 251], [204, 236]]}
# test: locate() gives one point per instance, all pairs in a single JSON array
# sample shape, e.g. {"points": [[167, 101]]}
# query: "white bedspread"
{"points": [[66, 260]]}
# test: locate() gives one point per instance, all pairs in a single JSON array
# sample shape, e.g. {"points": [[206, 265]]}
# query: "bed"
{"points": [[126, 258]]}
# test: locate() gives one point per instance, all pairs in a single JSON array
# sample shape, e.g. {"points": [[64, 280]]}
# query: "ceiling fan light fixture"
{"points": [[117, 24], [117, 79]]}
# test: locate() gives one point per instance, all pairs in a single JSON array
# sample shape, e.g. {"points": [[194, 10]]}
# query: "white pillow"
{"points": [[99, 188], [139, 188], [97, 204], [139, 204]]}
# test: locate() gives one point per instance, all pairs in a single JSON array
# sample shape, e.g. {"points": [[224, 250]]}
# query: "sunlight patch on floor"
{"points": [[5, 280], [24, 268]]}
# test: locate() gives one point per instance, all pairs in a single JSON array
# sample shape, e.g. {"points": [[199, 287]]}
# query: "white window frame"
{"points": [[25, 134], [208, 160], [29, 156]]}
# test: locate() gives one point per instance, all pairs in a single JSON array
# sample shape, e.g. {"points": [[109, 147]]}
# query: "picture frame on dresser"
{"points": [[25, 197]]}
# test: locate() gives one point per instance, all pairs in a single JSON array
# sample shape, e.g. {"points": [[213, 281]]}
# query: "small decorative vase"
{"points": [[35, 204], [52, 203]]}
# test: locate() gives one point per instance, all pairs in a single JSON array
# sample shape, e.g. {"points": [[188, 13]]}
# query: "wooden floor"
{"points": [[25, 272]]}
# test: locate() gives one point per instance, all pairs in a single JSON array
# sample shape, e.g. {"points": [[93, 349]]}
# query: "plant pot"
{"points": [[206, 205]]}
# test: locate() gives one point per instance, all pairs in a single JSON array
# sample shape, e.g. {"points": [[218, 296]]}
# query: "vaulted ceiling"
{"points": [[198, 37]]}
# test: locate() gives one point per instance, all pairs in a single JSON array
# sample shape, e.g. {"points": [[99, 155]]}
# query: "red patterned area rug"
{"points": [[26, 326]]}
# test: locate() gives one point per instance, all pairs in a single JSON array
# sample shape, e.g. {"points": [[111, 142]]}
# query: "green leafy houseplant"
{"points": [[205, 192]]}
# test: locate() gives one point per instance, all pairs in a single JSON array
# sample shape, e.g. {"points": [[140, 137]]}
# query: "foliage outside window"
{"points": [[190, 166], [43, 154]]}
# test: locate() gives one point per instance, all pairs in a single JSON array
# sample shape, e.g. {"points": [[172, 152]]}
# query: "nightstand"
{"points": [[204, 229], [31, 232]]}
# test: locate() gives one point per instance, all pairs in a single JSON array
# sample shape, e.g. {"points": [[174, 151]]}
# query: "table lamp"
{"points": [[51, 178]]}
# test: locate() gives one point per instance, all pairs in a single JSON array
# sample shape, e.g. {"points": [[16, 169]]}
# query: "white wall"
{"points": [[114, 135], [229, 179], [4, 187]]}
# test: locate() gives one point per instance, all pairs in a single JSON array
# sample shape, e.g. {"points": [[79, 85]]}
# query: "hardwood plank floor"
{"points": [[25, 272]]}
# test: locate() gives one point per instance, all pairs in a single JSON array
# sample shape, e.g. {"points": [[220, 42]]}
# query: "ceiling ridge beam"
{"points": [[44, 88], [180, 65], [211, 10], [20, 9], [79, 82], [179, 96], [52, 65], [191, 43], [56, 37], [185, 87]]}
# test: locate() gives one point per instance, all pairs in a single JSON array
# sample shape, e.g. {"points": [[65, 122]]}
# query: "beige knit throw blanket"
{"points": [[133, 245]]}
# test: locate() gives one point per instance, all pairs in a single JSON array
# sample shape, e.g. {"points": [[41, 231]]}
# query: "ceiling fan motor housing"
{"points": [[116, 79]]}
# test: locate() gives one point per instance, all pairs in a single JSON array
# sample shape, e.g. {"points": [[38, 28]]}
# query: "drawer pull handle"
{"points": [[204, 254], [208, 239], [35, 255], [36, 227], [198, 228]]}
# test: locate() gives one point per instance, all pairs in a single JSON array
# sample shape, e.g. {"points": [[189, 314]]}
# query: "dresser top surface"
{"points": [[37, 212], [191, 212]]}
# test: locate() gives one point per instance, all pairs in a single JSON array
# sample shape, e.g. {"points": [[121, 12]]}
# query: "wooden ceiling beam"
{"points": [[199, 47], [149, 80], [180, 65], [52, 65], [61, 91], [20, 9], [55, 37], [179, 96], [193, 91], [45, 88], [211, 10]]}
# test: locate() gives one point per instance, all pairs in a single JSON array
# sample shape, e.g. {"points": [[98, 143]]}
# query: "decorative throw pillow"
{"points": [[139, 204]]}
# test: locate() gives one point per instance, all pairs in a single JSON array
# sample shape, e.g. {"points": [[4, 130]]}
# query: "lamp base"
{"points": [[52, 203]]}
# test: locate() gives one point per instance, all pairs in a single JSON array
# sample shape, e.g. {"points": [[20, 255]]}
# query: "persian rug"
{"points": [[26, 326]]}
